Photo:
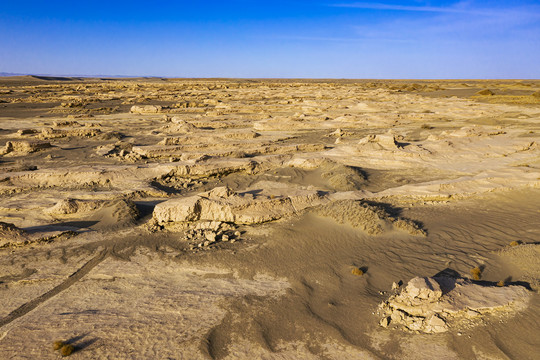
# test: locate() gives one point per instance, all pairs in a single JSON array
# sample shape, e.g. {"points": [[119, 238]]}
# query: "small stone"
{"points": [[206, 243], [415, 325], [225, 237], [436, 324], [210, 236], [385, 321], [396, 316], [237, 233], [434, 320]]}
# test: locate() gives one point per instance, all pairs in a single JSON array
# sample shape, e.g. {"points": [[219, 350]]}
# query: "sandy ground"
{"points": [[269, 219]]}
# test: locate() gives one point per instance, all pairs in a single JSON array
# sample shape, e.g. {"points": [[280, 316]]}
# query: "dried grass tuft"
{"points": [[476, 273]]}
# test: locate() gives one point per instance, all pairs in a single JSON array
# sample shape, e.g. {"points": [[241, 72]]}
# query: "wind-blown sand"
{"points": [[274, 219]]}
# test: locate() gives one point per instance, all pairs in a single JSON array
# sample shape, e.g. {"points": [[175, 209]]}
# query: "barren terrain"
{"points": [[276, 219]]}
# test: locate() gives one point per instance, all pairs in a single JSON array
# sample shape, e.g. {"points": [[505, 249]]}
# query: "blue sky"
{"points": [[313, 39]]}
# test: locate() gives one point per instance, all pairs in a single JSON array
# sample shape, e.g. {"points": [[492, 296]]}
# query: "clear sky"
{"points": [[258, 38]]}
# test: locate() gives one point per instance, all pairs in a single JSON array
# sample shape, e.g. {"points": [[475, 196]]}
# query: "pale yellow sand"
{"points": [[235, 219]]}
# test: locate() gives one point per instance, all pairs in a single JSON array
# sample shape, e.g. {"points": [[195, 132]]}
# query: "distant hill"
{"points": [[58, 77], [11, 74]]}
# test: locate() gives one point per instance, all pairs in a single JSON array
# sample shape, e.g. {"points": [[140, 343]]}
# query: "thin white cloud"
{"points": [[358, 39], [508, 26], [457, 22], [458, 8]]}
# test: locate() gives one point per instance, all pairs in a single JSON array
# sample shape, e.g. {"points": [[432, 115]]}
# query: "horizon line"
{"points": [[6, 75]]}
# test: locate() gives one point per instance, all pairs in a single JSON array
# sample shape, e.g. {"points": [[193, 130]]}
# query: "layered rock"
{"points": [[432, 305], [379, 142], [223, 204], [23, 147], [178, 125], [145, 109]]}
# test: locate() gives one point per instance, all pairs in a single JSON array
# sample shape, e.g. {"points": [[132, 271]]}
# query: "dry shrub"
{"points": [[67, 350], [476, 273]]}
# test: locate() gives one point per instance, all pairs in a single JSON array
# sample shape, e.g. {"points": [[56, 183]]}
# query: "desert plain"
{"points": [[152, 218]]}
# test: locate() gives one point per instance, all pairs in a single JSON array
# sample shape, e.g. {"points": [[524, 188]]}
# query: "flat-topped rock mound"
{"points": [[223, 204], [24, 147], [434, 304], [146, 109]]}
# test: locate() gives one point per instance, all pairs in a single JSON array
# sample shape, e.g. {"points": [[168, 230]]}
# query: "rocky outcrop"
{"points": [[223, 204], [121, 151], [10, 234], [177, 125], [146, 109], [379, 142], [434, 304], [23, 147]]}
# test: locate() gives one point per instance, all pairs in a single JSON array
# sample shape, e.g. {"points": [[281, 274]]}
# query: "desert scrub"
{"points": [[67, 350], [476, 273]]}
